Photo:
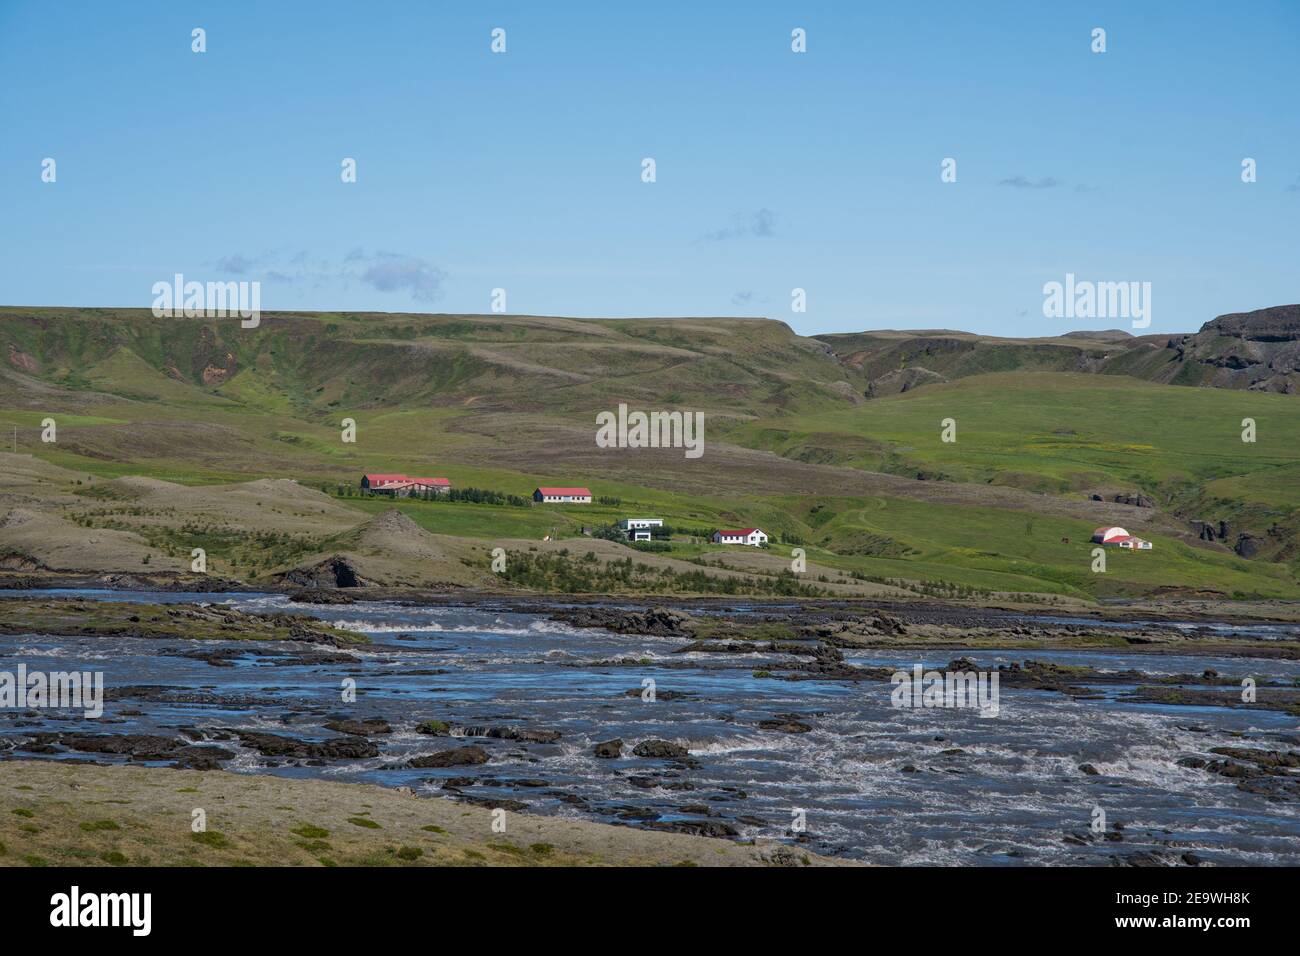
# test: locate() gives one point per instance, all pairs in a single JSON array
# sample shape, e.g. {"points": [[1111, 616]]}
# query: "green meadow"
{"points": [[507, 404]]}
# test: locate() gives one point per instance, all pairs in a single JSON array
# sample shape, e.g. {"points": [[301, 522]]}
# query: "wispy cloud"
{"points": [[1295, 186], [242, 264], [742, 298], [761, 224], [1024, 182], [391, 272], [382, 271]]}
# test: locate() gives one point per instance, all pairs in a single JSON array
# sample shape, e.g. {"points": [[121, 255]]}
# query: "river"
{"points": [[873, 782]]}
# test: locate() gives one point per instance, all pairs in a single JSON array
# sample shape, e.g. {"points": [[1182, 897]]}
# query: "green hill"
{"points": [[833, 441]]}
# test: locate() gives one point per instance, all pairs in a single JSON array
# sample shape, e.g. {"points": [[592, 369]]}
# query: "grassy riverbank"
{"points": [[61, 814]]}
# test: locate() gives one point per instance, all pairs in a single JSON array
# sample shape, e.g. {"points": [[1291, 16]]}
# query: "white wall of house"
{"points": [[630, 523], [755, 539]]}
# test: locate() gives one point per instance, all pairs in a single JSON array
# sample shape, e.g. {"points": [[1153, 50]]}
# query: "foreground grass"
{"points": [[55, 814]]}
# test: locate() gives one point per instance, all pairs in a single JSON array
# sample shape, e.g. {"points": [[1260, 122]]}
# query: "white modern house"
{"points": [[754, 537], [563, 496], [638, 529]]}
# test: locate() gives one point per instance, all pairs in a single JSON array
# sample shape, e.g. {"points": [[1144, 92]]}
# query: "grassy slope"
{"points": [[57, 814], [508, 403]]}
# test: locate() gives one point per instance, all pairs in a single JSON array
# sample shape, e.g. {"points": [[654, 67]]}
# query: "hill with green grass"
{"points": [[833, 444]]}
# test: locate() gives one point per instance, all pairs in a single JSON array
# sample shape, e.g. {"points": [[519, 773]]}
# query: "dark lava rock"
{"points": [[655, 621], [511, 733], [660, 749], [494, 803], [201, 758], [333, 572], [1264, 759], [360, 728], [1247, 546], [1136, 500], [138, 746], [1145, 858], [337, 748], [785, 726], [662, 694], [458, 757], [441, 728], [321, 596], [708, 828], [609, 748]]}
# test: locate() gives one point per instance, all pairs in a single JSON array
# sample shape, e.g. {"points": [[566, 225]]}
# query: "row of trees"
{"points": [[478, 496]]}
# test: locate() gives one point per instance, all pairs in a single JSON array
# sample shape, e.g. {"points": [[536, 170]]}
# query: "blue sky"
{"points": [[775, 170]]}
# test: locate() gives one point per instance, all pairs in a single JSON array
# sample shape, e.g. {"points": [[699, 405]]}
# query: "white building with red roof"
{"points": [[1117, 537], [754, 537], [562, 496]]}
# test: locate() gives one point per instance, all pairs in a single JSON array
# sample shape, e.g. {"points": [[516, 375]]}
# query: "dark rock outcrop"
{"points": [[337, 748], [655, 621], [360, 728], [902, 380], [1137, 500], [1248, 546], [660, 749], [457, 757]]}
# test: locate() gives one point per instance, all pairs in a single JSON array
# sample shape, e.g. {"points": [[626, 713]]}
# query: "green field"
{"points": [[866, 486]]}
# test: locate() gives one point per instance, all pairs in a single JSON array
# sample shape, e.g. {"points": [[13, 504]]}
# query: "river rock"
{"points": [[137, 746], [660, 749], [321, 596], [337, 748], [655, 621], [785, 726], [457, 757], [360, 728]]}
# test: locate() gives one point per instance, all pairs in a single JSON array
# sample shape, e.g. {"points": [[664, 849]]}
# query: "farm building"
{"points": [[639, 529], [403, 486], [1116, 537], [564, 496], [754, 537]]}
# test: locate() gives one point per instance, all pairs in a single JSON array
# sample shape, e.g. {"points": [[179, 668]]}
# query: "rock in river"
{"points": [[458, 757], [360, 728], [662, 749]]}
